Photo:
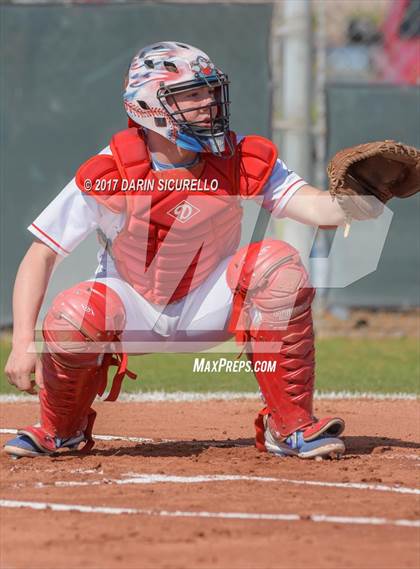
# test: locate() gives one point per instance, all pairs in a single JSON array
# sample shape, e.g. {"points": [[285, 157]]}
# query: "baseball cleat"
{"points": [[34, 442], [323, 446]]}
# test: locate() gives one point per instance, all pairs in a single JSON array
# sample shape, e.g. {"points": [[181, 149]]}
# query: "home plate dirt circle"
{"points": [[180, 485]]}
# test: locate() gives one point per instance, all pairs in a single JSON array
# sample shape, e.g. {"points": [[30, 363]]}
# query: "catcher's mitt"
{"points": [[361, 175]]}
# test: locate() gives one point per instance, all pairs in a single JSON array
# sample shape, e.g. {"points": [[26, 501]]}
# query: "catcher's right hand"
{"points": [[20, 366]]}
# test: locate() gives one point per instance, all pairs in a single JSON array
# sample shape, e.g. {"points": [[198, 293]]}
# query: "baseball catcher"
{"points": [[165, 200]]}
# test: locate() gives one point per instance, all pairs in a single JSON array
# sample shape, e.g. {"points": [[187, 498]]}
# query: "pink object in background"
{"points": [[401, 38]]}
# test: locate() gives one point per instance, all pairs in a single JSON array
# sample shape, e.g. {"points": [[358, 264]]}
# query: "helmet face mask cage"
{"points": [[212, 131], [161, 71]]}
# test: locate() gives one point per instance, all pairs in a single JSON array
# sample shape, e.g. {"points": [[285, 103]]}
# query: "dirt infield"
{"points": [[198, 495]]}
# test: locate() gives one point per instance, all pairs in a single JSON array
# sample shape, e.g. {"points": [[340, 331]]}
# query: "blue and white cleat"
{"points": [[319, 440], [34, 441], [296, 445]]}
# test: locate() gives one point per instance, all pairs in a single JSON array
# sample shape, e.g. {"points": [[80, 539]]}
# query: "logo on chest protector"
{"points": [[183, 212]]}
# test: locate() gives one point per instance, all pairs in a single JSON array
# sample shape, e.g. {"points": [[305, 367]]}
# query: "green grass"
{"points": [[374, 365]]}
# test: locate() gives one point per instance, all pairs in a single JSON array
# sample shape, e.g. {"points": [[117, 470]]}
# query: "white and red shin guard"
{"points": [[272, 316], [78, 330]]}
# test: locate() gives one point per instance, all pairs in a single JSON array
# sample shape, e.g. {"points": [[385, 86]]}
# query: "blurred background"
{"points": [[313, 75]]}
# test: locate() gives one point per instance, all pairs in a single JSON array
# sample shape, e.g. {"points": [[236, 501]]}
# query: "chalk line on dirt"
{"points": [[181, 396], [316, 518], [209, 442], [135, 478]]}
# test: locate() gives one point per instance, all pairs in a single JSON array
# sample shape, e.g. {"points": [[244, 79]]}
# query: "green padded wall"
{"points": [[362, 113]]}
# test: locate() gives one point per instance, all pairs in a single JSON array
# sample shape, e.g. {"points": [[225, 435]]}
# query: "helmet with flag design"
{"points": [[162, 72]]}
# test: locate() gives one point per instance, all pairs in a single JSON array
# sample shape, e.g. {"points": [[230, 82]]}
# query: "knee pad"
{"points": [[270, 284], [82, 321]]}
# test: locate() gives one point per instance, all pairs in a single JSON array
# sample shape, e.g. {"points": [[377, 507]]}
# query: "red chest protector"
{"points": [[180, 223]]}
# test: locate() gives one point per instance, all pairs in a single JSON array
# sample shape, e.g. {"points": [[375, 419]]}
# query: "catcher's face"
{"points": [[196, 106]]}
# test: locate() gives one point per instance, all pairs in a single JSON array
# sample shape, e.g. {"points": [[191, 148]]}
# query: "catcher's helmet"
{"points": [[160, 71]]}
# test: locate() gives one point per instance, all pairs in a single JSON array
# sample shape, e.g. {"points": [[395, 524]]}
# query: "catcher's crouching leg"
{"points": [[272, 314], [78, 330]]}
